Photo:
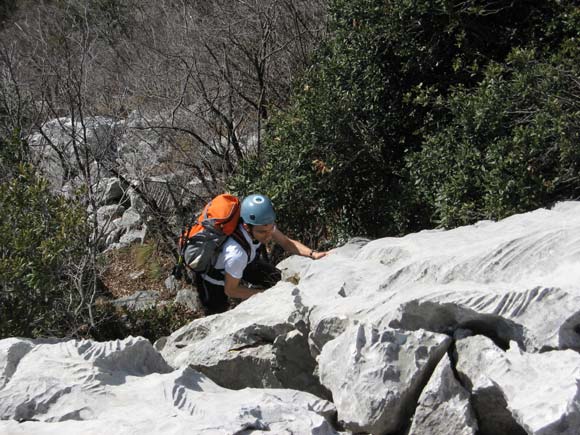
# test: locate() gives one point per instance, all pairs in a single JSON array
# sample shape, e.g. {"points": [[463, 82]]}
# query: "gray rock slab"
{"points": [[130, 220], [138, 300], [133, 236], [376, 376], [122, 387], [97, 133], [109, 191], [443, 407], [108, 214], [293, 267], [12, 350], [520, 392], [237, 348], [189, 298], [498, 279]]}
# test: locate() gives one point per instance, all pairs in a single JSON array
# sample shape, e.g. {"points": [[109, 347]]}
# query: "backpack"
{"points": [[201, 243]]}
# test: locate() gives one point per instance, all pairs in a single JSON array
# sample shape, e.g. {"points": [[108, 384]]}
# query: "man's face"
{"points": [[262, 233]]}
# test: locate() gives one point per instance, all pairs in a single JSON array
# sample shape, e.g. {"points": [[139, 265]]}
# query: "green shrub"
{"points": [[152, 323], [511, 144], [334, 162], [43, 238]]}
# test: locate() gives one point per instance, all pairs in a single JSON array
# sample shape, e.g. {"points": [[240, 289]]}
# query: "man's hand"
{"points": [[233, 289], [316, 255]]}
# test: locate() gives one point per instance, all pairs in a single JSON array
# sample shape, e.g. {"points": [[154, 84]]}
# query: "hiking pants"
{"points": [[258, 273]]}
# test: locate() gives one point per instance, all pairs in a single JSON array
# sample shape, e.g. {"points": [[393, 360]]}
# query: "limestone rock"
{"points": [[81, 387], [137, 202], [237, 349], [293, 267], [189, 298], [108, 214], [375, 376], [47, 378], [444, 407], [138, 300], [519, 392], [12, 350], [132, 236], [97, 133], [109, 191], [496, 279], [351, 248], [130, 220]]}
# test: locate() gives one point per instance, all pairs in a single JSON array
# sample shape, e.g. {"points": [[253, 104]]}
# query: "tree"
{"points": [[511, 144], [43, 239], [335, 161]]}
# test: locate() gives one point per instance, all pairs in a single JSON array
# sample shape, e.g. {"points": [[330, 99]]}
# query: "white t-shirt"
{"points": [[233, 258]]}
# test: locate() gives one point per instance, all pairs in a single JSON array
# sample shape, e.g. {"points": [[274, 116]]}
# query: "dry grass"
{"points": [[136, 268]]}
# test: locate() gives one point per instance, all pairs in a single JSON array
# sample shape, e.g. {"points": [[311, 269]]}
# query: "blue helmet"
{"points": [[257, 210]]}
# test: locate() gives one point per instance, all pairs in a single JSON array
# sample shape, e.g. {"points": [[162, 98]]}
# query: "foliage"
{"points": [[335, 161], [147, 256], [42, 238], [152, 323], [511, 144]]}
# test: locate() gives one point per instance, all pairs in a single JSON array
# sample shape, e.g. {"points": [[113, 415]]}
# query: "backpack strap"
{"points": [[239, 237]]}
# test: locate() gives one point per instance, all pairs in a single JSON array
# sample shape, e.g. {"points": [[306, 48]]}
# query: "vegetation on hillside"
{"points": [[421, 114]]}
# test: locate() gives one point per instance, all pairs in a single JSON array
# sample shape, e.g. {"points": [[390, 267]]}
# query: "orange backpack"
{"points": [[201, 243]]}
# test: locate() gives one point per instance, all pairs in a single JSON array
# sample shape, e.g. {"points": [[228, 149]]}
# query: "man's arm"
{"points": [[233, 288], [295, 247]]}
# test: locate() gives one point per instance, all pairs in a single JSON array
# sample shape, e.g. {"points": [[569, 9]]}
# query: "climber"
{"points": [[233, 264]]}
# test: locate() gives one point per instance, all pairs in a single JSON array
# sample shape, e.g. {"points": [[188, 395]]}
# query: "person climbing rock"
{"points": [[239, 261]]}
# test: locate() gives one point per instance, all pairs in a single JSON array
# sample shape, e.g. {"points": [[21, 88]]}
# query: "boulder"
{"points": [[74, 387], [240, 350], [109, 215], [137, 202], [130, 220], [517, 392], [189, 298], [496, 279], [443, 407], [109, 191], [138, 300], [376, 375], [12, 350], [133, 236], [53, 146]]}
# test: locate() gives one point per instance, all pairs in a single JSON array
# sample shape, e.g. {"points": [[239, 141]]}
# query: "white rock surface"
{"points": [[96, 133], [139, 300], [109, 191], [241, 351], [444, 408], [130, 220], [375, 376], [370, 321], [125, 387], [539, 391], [497, 279], [189, 298]]}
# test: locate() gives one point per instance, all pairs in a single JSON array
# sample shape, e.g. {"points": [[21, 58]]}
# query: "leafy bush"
{"points": [[42, 241], [511, 144], [152, 323], [334, 162]]}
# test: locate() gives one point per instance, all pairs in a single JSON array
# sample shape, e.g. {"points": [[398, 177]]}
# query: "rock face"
{"points": [[470, 331], [521, 392], [444, 406], [372, 320], [376, 375], [79, 387]]}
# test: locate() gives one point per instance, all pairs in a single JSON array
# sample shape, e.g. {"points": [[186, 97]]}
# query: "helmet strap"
{"points": [[250, 229]]}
